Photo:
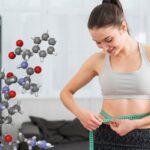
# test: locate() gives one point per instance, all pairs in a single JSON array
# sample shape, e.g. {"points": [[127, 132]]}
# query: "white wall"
{"points": [[66, 21]]}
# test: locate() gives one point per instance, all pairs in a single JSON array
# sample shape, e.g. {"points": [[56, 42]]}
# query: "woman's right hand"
{"points": [[90, 120]]}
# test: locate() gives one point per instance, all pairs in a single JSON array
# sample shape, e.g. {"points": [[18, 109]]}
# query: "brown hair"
{"points": [[109, 13]]}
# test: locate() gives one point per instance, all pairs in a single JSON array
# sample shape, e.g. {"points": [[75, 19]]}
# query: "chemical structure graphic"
{"points": [[26, 84]]}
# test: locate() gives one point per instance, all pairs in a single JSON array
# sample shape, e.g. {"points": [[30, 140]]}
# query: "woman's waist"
{"points": [[126, 107], [107, 117]]}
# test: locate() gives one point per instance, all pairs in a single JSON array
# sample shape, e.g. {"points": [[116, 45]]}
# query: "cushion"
{"points": [[29, 130], [60, 131], [54, 125], [74, 130], [40, 123], [48, 129]]}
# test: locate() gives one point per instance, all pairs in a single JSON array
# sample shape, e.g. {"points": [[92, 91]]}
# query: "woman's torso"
{"points": [[125, 107], [121, 107]]}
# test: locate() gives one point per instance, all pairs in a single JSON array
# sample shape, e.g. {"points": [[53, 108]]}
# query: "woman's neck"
{"points": [[130, 47]]}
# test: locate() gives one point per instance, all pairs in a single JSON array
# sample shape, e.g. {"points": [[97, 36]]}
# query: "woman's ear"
{"points": [[123, 27]]}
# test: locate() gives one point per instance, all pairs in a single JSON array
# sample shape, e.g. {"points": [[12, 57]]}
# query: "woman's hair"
{"points": [[109, 13]]}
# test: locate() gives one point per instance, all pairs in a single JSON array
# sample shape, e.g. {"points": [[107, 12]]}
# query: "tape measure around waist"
{"points": [[108, 119]]}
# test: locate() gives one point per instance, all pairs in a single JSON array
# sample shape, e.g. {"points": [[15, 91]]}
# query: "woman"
{"points": [[123, 68]]}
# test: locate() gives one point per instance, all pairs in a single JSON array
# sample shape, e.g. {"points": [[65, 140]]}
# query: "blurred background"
{"points": [[66, 21]]}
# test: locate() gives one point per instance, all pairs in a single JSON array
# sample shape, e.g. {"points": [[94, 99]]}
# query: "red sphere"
{"points": [[10, 74], [12, 93], [19, 43], [37, 69], [11, 55], [8, 138]]}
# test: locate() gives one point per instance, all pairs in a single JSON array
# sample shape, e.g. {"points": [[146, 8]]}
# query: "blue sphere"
{"points": [[24, 64], [43, 144], [1, 147], [5, 89], [21, 81], [33, 142], [1, 107]]}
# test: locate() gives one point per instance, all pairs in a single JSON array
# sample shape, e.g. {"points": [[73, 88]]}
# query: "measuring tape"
{"points": [[108, 119]]}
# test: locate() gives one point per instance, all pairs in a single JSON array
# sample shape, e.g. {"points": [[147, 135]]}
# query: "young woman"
{"points": [[123, 68]]}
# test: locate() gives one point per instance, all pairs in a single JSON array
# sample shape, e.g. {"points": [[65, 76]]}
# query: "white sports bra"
{"points": [[132, 85]]}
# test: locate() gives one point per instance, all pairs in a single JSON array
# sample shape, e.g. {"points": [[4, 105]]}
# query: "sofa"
{"points": [[63, 134]]}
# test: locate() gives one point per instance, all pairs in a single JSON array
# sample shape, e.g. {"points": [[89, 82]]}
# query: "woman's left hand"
{"points": [[122, 127]]}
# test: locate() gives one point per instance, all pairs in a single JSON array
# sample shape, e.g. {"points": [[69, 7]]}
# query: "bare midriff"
{"points": [[125, 107]]}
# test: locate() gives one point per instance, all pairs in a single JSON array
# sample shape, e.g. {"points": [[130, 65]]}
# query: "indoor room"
{"points": [[51, 61]]}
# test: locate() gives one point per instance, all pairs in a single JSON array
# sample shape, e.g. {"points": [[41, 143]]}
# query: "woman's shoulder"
{"points": [[97, 56], [97, 61]]}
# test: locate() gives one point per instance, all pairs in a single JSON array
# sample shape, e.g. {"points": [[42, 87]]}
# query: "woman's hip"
{"points": [[137, 139]]}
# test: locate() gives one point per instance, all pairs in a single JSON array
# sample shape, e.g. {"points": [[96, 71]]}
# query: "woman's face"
{"points": [[110, 39]]}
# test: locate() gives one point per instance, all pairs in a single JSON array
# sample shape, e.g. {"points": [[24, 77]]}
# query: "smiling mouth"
{"points": [[110, 50]]}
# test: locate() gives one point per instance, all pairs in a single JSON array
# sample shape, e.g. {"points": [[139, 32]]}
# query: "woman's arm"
{"points": [[87, 72], [124, 126], [82, 77], [145, 121]]}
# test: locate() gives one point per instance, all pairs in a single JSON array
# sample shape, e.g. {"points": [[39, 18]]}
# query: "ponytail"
{"points": [[115, 2]]}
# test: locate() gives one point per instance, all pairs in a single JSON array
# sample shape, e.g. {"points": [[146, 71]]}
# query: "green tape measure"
{"points": [[108, 119]]}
